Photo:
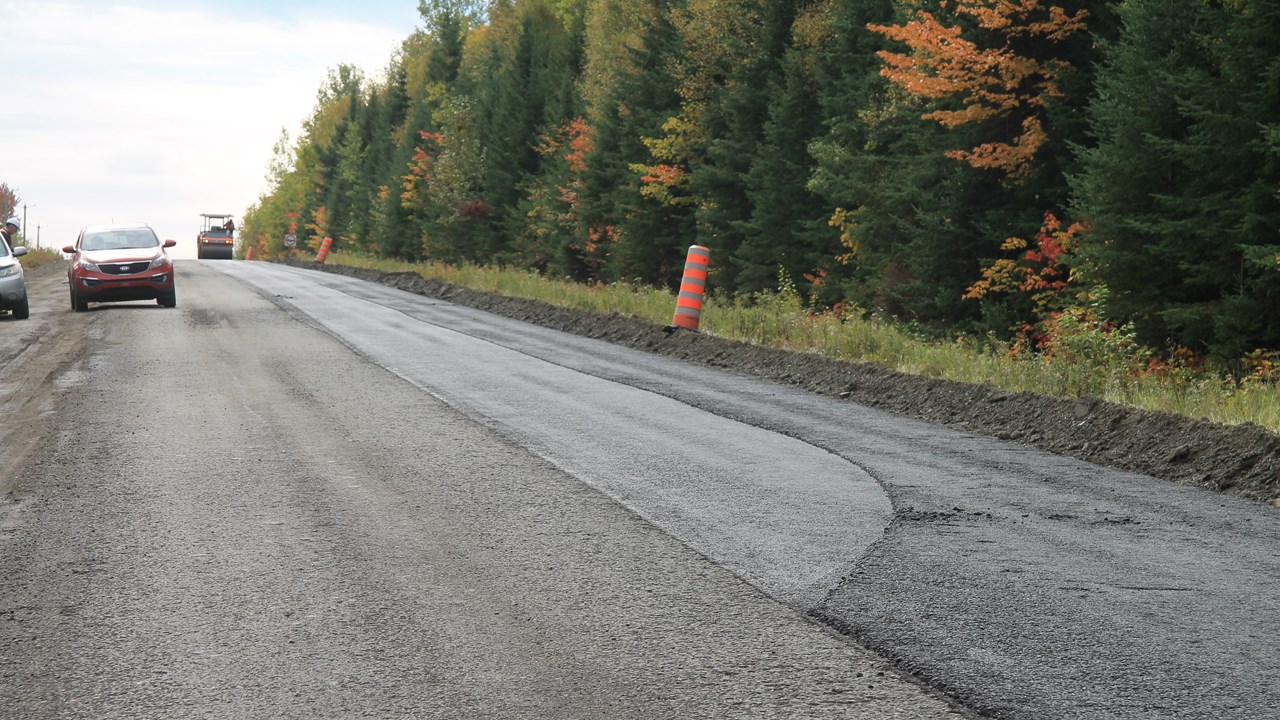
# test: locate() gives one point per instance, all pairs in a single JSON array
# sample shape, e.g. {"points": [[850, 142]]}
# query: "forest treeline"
{"points": [[1025, 168]]}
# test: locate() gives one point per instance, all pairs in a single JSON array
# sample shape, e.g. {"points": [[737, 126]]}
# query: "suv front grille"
{"points": [[128, 268]]}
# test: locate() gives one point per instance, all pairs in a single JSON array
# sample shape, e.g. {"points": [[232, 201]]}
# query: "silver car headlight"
{"points": [[91, 267], [10, 270]]}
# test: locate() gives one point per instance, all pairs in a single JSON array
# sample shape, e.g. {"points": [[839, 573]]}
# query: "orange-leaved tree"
{"points": [[420, 167], [667, 180], [1041, 273], [995, 59], [8, 201], [319, 226], [553, 222]]}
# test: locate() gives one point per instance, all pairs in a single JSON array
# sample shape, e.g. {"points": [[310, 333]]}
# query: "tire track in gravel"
{"points": [[36, 356]]}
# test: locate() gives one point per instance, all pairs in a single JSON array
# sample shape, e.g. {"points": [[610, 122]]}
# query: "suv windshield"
{"points": [[126, 239]]}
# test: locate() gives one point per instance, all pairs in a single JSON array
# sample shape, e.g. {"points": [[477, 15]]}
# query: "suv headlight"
{"points": [[162, 261], [9, 270], [91, 267]]}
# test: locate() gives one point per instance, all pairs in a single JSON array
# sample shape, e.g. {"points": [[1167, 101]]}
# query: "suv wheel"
{"points": [[22, 310]]}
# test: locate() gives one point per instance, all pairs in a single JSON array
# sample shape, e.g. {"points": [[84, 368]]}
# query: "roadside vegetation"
{"points": [[37, 257], [10, 202], [1075, 197], [1086, 360]]}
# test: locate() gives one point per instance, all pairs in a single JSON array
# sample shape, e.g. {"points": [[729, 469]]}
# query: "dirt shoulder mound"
{"points": [[1240, 460]]}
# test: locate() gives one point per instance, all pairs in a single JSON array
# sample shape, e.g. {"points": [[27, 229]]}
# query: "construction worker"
{"points": [[229, 225], [10, 231]]}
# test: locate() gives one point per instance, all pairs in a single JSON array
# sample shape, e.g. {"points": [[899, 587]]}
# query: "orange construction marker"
{"points": [[324, 250], [692, 287]]}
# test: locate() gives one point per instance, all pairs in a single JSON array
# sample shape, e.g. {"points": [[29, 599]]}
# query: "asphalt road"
{"points": [[219, 511], [240, 495]]}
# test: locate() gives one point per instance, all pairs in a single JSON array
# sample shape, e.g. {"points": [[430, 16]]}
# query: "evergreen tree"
{"points": [[519, 76], [930, 173], [1180, 188], [905, 213], [788, 227], [382, 169], [447, 22], [628, 235], [731, 56]]}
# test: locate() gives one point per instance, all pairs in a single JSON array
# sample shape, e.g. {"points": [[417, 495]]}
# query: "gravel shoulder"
{"points": [[34, 354], [1241, 460]]}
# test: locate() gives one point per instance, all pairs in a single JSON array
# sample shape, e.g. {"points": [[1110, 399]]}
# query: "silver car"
{"points": [[13, 287]]}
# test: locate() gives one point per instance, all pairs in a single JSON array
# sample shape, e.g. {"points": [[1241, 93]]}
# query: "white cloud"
{"points": [[128, 112]]}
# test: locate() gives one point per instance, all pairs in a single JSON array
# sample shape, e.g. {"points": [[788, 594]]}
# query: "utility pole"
{"points": [[24, 221]]}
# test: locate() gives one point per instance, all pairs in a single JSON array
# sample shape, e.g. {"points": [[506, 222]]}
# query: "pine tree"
{"points": [[629, 235], [731, 56], [907, 216], [1180, 188], [519, 74], [787, 227]]}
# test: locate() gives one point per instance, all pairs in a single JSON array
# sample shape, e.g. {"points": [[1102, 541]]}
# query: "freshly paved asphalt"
{"points": [[218, 511], [1026, 585]]}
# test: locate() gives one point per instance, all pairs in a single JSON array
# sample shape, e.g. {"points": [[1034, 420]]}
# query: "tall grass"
{"points": [[782, 321], [37, 257]]}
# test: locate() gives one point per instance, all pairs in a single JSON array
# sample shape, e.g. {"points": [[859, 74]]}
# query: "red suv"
{"points": [[120, 262]]}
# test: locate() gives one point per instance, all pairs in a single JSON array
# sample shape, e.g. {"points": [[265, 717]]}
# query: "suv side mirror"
{"points": [[19, 251], [70, 249], [170, 243]]}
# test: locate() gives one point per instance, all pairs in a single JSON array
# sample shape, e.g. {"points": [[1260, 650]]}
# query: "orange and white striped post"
{"points": [[248, 254], [324, 250], [692, 287]]}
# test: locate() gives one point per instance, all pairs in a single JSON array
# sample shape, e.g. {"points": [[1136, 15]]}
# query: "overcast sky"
{"points": [[149, 111]]}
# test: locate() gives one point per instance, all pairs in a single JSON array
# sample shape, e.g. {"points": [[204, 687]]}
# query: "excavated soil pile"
{"points": [[1241, 460]]}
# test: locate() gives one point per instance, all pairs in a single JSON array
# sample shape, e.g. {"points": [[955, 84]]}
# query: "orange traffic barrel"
{"points": [[692, 287], [324, 249], [248, 254]]}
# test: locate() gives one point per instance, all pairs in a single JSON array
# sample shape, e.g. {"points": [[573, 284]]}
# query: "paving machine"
{"points": [[216, 240]]}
